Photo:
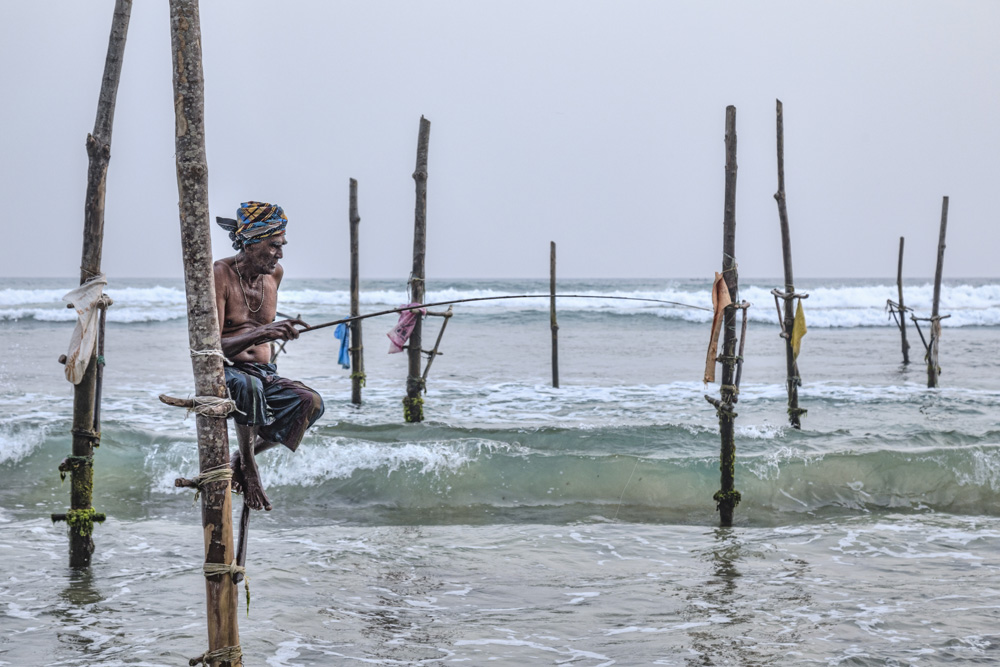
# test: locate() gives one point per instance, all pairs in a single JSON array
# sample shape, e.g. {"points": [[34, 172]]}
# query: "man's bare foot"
{"points": [[253, 492], [238, 481]]}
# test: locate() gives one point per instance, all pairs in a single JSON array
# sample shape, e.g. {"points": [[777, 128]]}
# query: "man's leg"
{"points": [[247, 390], [294, 407], [236, 461], [246, 477]]}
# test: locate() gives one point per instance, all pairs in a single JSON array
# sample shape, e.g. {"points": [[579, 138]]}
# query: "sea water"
{"points": [[523, 524]]}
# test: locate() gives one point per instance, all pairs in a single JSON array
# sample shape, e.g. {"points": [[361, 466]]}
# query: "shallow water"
{"points": [[522, 524], [894, 589]]}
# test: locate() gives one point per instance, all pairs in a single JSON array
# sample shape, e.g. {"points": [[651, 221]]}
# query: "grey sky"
{"points": [[598, 125]]}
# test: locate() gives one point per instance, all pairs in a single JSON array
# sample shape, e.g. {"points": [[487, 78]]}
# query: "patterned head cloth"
{"points": [[256, 222]]}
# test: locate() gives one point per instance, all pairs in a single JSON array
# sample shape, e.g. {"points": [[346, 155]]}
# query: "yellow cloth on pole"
{"points": [[798, 330]]}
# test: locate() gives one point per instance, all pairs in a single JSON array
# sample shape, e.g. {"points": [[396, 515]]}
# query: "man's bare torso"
{"points": [[244, 306]]}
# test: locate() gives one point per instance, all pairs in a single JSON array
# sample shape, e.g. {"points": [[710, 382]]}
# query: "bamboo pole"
{"points": [[792, 380], [437, 343], [933, 369], [357, 349], [728, 497], [902, 307], [552, 314], [86, 432], [413, 404], [99, 383], [203, 323]]}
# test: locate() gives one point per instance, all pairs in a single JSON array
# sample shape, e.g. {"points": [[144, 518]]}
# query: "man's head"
{"points": [[259, 232], [255, 222]]}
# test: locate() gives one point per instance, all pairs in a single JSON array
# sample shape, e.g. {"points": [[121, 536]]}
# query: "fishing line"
{"points": [[628, 481], [615, 517], [497, 298]]}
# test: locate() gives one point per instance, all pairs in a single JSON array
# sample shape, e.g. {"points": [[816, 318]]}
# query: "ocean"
{"points": [[522, 524]]}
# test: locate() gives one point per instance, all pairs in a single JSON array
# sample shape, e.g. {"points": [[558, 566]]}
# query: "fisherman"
{"points": [[272, 410]]}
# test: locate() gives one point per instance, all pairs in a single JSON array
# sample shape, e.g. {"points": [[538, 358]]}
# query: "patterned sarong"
{"points": [[282, 409]]}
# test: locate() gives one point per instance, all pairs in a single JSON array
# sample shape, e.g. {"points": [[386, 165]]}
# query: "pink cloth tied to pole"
{"points": [[404, 327]]}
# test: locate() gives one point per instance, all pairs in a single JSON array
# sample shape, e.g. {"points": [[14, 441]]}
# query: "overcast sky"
{"points": [[597, 125]]}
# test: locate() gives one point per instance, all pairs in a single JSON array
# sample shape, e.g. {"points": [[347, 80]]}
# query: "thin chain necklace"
{"points": [[245, 300]]}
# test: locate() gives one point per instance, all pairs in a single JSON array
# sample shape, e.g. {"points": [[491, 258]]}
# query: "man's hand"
{"points": [[280, 330]]}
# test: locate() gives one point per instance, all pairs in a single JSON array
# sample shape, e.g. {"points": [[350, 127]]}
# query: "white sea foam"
{"points": [[339, 458], [843, 306], [985, 469], [18, 440]]}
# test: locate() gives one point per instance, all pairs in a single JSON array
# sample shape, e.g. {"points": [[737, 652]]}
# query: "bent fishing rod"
{"points": [[403, 309]]}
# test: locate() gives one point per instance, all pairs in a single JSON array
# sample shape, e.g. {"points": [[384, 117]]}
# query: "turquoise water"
{"points": [[522, 524]]}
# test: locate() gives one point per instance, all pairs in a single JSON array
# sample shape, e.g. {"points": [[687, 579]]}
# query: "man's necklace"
{"points": [[242, 289]]}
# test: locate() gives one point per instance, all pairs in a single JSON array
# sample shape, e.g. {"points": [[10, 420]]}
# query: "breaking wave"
{"points": [[844, 305]]}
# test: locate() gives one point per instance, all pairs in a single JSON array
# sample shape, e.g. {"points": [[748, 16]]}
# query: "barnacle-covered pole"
{"points": [[413, 404], [86, 394], [792, 381], [728, 497]]}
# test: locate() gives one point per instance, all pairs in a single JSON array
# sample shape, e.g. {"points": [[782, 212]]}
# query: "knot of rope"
{"points": [[733, 358], [74, 463], [230, 654], [213, 406], [223, 473], [87, 433], [213, 569], [212, 353], [409, 285]]}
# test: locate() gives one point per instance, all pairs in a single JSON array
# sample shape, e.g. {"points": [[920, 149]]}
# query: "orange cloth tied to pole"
{"points": [[720, 299]]}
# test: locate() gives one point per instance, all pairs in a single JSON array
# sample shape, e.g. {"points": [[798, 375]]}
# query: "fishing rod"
{"points": [[403, 309]]}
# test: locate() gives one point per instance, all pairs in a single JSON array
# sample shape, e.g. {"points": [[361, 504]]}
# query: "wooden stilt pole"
{"points": [[437, 344], [792, 381], [933, 369], [241, 545], [357, 349], [552, 314], [203, 324], [413, 404], [728, 497], [902, 307], [86, 429]]}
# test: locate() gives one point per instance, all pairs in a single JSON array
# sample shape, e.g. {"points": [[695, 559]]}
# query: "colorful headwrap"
{"points": [[256, 222]]}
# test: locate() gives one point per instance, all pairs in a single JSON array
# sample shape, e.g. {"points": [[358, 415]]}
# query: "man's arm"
{"points": [[280, 330]]}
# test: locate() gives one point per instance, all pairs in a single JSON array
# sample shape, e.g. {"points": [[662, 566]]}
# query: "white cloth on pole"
{"points": [[85, 299]]}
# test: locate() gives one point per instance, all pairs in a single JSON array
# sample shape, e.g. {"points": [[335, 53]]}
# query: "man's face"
{"points": [[262, 258]]}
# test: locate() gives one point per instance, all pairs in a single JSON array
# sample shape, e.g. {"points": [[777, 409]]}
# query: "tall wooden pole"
{"points": [[902, 308], [552, 314], [203, 322], [357, 355], [85, 434], [413, 404], [933, 369], [792, 380], [728, 497]]}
